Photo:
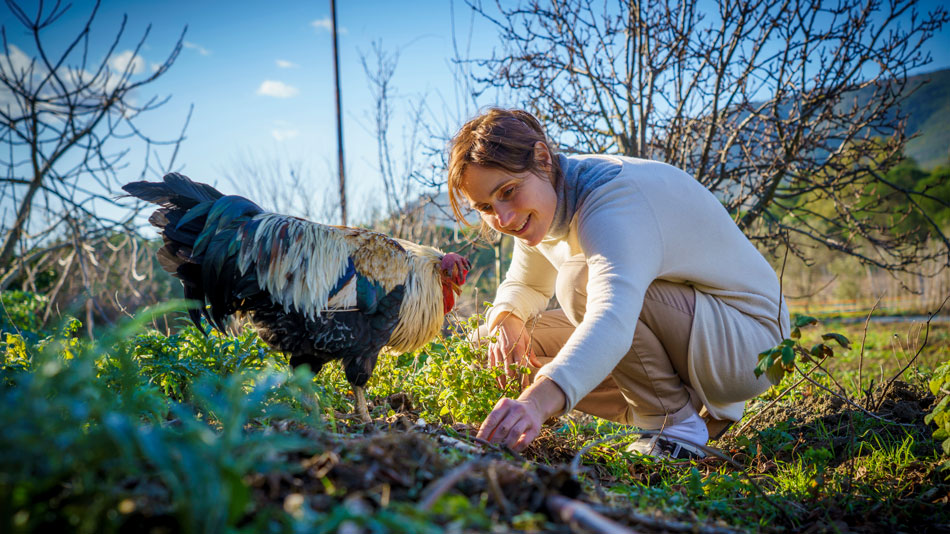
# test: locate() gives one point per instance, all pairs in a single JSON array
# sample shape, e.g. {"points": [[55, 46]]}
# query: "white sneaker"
{"points": [[670, 448], [675, 441]]}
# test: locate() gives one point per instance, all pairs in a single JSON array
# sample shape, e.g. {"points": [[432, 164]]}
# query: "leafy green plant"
{"points": [[446, 380], [779, 360], [21, 312], [92, 441], [940, 415]]}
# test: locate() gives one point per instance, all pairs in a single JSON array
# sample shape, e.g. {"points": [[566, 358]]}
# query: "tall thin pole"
{"points": [[339, 116]]}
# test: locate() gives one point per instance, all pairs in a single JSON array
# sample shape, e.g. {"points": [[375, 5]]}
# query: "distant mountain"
{"points": [[928, 115]]}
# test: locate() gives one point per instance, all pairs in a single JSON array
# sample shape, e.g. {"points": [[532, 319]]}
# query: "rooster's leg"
{"points": [[361, 404]]}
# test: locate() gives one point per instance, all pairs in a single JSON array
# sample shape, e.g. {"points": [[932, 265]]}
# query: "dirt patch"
{"points": [[901, 403]]}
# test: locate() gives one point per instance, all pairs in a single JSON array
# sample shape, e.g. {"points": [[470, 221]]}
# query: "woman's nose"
{"points": [[505, 216]]}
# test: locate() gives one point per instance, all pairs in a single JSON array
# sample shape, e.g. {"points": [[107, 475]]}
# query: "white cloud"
{"points": [[326, 24], [198, 48], [127, 60], [284, 134], [277, 89], [19, 60], [284, 64]]}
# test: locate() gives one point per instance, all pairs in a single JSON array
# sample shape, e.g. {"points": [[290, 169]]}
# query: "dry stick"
{"points": [[458, 444], [861, 357], [575, 462], [912, 360], [579, 513], [843, 393], [496, 491], [776, 399], [437, 488], [501, 448], [662, 525]]}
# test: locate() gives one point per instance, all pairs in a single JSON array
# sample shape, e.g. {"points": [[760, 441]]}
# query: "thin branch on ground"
{"points": [[496, 491], [437, 488], [664, 525], [581, 514]]}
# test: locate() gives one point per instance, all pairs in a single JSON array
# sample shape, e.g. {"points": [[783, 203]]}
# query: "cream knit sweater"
{"points": [[637, 221]]}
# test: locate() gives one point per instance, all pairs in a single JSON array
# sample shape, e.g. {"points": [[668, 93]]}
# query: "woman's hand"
{"points": [[512, 345], [516, 422]]}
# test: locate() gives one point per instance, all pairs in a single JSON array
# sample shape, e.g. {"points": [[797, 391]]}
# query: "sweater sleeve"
{"points": [[621, 238], [528, 284]]}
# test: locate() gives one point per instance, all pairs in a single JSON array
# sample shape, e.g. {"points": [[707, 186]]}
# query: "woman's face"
{"points": [[521, 205]]}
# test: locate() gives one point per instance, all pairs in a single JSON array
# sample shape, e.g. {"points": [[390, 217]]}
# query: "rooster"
{"points": [[316, 292]]}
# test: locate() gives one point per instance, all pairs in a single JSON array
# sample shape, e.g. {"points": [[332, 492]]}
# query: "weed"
{"points": [[940, 415]]}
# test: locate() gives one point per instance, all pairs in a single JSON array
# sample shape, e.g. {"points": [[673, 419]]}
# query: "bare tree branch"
{"points": [[790, 112]]}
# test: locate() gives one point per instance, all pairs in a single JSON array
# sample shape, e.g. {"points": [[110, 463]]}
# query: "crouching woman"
{"points": [[664, 303]]}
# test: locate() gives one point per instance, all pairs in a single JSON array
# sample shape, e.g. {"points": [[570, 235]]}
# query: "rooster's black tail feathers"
{"points": [[191, 219], [175, 190]]}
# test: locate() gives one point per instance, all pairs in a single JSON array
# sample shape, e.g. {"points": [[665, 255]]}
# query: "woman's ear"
{"points": [[542, 156]]}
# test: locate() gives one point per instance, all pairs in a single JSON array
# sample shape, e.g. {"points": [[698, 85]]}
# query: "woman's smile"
{"points": [[522, 227], [517, 204]]}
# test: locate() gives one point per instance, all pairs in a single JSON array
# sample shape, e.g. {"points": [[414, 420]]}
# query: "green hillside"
{"points": [[928, 116]]}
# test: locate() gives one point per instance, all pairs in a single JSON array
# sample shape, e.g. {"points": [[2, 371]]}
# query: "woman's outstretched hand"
{"points": [[512, 345], [516, 422]]}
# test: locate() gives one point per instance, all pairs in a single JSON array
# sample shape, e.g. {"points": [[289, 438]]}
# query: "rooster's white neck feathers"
{"points": [[299, 262]]}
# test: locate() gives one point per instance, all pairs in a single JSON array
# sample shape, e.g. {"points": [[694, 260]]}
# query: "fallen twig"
{"points": [[496, 491], [438, 487], [579, 513], [666, 525], [458, 444]]}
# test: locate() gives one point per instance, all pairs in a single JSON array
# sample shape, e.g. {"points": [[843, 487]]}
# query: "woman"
{"points": [[664, 303]]}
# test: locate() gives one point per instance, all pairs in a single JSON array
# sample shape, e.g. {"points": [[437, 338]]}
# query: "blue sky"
{"points": [[260, 77]]}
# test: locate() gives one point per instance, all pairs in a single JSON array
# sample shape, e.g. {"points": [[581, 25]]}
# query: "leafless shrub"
{"points": [[67, 123], [790, 112]]}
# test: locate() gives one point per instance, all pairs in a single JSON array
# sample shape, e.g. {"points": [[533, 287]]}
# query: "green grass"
{"points": [[141, 430]]}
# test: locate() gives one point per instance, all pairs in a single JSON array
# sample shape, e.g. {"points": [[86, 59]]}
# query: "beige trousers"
{"points": [[650, 387]]}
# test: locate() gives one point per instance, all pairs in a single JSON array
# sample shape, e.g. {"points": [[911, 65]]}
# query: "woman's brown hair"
{"points": [[500, 139]]}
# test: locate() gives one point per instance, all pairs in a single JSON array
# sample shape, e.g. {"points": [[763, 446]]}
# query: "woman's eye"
{"points": [[507, 192]]}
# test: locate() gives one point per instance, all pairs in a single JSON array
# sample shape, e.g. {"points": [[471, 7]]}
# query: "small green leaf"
{"points": [[765, 362], [788, 357], [775, 374], [820, 350], [804, 320], [935, 386], [796, 333], [843, 341]]}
